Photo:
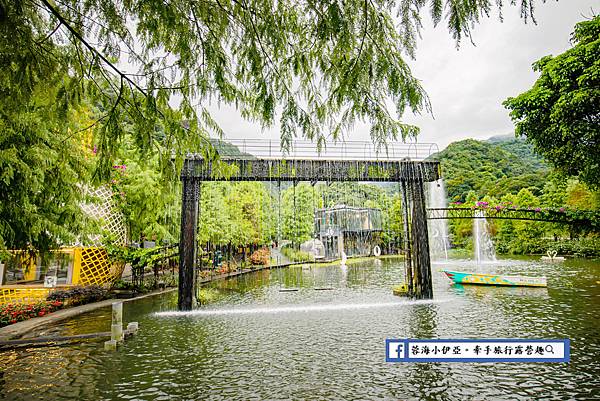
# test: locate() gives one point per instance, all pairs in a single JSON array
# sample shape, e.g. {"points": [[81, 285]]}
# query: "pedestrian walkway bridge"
{"points": [[578, 218]]}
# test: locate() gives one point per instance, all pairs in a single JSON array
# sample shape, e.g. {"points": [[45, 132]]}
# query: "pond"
{"points": [[318, 333]]}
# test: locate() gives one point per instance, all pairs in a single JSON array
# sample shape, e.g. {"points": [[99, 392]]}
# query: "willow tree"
{"points": [[313, 67]]}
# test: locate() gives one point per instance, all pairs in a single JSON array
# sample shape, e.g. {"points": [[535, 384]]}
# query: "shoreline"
{"points": [[19, 329]]}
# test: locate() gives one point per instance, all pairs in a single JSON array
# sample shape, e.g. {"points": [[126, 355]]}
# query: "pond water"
{"points": [[318, 334]]}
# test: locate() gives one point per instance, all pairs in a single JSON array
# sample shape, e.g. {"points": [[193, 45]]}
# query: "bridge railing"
{"points": [[537, 214], [308, 150]]}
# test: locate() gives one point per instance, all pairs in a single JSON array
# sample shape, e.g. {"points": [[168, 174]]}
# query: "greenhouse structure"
{"points": [[352, 230]]}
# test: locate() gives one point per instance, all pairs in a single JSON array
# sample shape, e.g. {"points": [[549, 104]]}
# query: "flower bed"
{"points": [[13, 313]]}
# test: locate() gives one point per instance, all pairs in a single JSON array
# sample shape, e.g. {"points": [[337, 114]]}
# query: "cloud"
{"points": [[467, 85]]}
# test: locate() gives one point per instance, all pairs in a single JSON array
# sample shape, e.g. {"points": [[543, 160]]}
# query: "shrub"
{"points": [[296, 255], [583, 247], [13, 313], [227, 267], [205, 273], [260, 257], [123, 285], [162, 281], [79, 295]]}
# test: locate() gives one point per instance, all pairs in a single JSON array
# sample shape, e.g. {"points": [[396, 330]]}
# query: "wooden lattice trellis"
{"points": [[96, 268], [22, 295], [105, 211]]}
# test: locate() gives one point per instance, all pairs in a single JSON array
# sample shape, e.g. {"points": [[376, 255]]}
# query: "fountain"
{"points": [[483, 245], [438, 229]]}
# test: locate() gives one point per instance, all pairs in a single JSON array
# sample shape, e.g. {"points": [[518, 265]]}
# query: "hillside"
{"points": [[521, 148], [493, 167]]}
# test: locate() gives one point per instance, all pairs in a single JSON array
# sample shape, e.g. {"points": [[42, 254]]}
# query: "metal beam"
{"points": [[264, 169]]}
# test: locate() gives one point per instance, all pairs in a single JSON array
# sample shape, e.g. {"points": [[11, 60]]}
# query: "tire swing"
{"points": [[376, 250]]}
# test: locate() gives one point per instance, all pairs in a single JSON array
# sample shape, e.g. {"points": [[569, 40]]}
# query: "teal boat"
{"points": [[495, 279]]}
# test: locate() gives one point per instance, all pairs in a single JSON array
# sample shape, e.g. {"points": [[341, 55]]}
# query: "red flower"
{"points": [[41, 313]]}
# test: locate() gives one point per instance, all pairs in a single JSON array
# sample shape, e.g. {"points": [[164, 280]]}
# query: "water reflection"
{"points": [[327, 344], [485, 291]]}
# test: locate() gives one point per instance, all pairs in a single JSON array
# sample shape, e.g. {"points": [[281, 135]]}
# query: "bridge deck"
{"points": [[268, 169]]}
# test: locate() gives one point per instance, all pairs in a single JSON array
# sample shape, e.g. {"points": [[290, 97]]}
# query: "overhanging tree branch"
{"points": [[91, 48]]}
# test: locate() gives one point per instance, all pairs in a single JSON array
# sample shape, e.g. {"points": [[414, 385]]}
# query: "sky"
{"points": [[466, 86]]}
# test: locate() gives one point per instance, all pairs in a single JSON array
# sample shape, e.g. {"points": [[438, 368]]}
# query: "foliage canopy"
{"points": [[139, 68], [560, 114], [321, 64]]}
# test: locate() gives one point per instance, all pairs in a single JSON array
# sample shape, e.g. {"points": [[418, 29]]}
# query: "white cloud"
{"points": [[467, 86]]}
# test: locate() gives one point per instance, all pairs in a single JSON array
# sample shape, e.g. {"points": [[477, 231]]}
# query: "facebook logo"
{"points": [[395, 350]]}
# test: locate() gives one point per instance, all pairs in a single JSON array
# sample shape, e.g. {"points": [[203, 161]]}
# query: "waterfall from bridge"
{"points": [[483, 246], [438, 229], [305, 163]]}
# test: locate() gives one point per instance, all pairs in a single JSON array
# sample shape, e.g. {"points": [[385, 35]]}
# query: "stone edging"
{"points": [[17, 330]]}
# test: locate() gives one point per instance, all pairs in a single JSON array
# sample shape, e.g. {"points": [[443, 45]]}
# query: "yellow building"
{"points": [[25, 277]]}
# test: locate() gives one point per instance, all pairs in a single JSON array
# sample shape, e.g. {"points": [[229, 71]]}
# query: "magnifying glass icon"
{"points": [[549, 349]]}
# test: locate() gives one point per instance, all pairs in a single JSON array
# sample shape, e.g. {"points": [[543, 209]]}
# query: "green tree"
{"points": [[325, 65], [560, 114], [462, 229], [526, 231], [525, 199], [150, 204], [43, 160], [297, 212], [236, 213], [391, 214], [555, 191], [505, 229], [249, 204], [214, 222], [493, 167], [579, 196]]}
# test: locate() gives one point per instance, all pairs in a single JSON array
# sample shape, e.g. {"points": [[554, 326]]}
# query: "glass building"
{"points": [[353, 230]]}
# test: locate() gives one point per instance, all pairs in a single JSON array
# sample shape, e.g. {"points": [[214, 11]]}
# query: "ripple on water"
{"points": [[259, 343]]}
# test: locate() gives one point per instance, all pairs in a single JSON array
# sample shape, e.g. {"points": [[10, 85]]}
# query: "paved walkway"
{"points": [[280, 257]]}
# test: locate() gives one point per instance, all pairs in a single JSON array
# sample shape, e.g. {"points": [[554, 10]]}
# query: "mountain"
{"points": [[501, 138], [227, 150], [499, 165], [519, 147]]}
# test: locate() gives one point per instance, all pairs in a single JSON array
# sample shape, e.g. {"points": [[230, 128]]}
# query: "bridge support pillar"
{"points": [[188, 243], [418, 260]]}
